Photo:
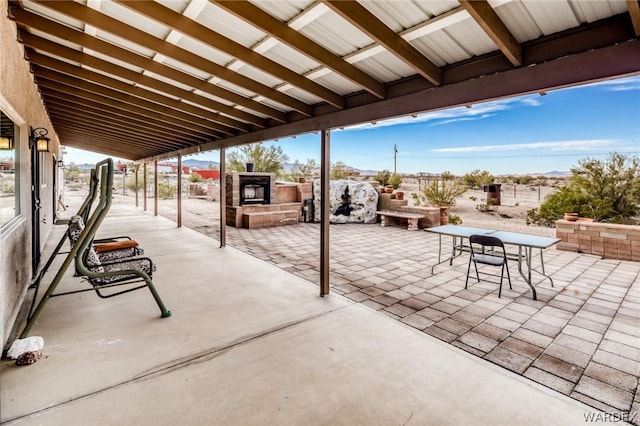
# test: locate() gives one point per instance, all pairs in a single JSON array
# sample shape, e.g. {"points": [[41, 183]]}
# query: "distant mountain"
{"points": [[555, 173], [200, 164]]}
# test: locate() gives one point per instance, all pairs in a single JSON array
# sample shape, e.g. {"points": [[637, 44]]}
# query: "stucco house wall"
{"points": [[20, 101]]}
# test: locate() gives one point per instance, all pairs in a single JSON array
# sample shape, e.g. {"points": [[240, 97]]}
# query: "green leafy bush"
{"points": [[395, 180], [477, 179], [602, 190], [383, 177], [299, 170], [454, 219], [166, 190], [195, 177], [265, 159], [440, 194], [339, 170]]}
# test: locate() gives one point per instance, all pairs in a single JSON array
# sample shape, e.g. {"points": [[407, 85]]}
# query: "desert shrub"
{"points": [[447, 175], [440, 194], [477, 179], [166, 190], [524, 180], [395, 180], [339, 170], [602, 190], [543, 181], [7, 187], [486, 206], [195, 177], [454, 219], [383, 177], [265, 159], [299, 170]]}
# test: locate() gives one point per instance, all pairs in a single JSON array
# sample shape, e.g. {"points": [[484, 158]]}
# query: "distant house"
{"points": [[208, 174], [185, 169], [6, 164]]}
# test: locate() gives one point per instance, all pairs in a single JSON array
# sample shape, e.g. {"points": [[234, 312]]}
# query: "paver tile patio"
{"points": [[580, 338]]}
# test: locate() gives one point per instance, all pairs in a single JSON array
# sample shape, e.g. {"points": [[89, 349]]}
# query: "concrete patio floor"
{"points": [[251, 343], [581, 338]]}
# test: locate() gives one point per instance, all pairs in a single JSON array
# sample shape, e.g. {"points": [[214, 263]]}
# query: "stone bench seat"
{"points": [[412, 218], [254, 220]]}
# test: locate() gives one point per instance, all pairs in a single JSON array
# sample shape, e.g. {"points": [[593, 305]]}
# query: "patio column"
{"points": [[136, 167], [223, 199], [155, 188], [325, 174], [144, 183], [179, 192]]}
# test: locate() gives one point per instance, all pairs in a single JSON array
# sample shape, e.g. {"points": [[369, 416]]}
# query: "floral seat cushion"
{"points": [[105, 252], [120, 259]]}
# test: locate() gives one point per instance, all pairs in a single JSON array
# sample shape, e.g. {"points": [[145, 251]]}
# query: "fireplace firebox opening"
{"points": [[255, 190]]}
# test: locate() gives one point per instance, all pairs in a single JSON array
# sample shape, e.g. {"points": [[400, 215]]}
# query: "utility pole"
{"points": [[395, 157]]}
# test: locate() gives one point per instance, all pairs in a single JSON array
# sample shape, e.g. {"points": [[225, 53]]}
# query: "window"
{"points": [[9, 207]]}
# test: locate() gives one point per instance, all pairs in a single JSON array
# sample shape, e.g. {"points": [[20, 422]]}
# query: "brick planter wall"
{"points": [[610, 241]]}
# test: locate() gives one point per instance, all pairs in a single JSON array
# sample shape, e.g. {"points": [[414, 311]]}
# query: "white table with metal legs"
{"points": [[525, 243]]}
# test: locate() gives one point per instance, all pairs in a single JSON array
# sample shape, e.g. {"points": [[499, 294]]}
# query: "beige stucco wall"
{"points": [[20, 100]]}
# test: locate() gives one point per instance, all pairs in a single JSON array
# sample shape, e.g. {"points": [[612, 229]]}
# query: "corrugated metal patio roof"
{"points": [[153, 79]]}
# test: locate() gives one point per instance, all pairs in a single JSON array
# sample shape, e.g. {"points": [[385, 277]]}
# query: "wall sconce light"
{"points": [[61, 163], [6, 143], [39, 139]]}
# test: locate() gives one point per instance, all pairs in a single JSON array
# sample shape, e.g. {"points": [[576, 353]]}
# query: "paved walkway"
{"points": [[581, 338]]}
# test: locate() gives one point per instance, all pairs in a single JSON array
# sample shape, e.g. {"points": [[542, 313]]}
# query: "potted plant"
{"points": [[441, 195]]}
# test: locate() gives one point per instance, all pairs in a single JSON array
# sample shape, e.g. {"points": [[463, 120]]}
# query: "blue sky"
{"points": [[520, 135]]}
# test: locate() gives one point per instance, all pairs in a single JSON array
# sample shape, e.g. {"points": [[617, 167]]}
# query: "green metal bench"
{"points": [[135, 273]]}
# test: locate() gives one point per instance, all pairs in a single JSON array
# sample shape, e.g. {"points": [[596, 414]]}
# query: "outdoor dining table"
{"points": [[525, 243]]}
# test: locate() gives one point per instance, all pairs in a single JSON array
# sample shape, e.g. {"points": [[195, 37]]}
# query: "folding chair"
{"points": [[496, 256]]}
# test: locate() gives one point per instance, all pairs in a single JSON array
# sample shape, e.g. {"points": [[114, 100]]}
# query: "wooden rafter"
{"points": [[32, 20], [111, 113], [100, 94], [120, 29], [92, 81], [486, 17], [634, 12], [207, 36], [281, 31], [137, 78], [368, 23]]}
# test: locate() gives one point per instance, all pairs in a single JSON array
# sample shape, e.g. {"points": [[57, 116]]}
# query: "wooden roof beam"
{"points": [[137, 78], [488, 19], [127, 32], [104, 124], [187, 26], [360, 17], [34, 21], [89, 80], [88, 127], [287, 35], [75, 103], [57, 81], [634, 13]]}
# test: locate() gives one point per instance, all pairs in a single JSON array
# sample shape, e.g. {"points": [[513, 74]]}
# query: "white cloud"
{"points": [[478, 111], [577, 145], [615, 85], [453, 120]]}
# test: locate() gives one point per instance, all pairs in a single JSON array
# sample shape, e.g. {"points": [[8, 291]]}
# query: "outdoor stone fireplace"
{"points": [[246, 188], [255, 201]]}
